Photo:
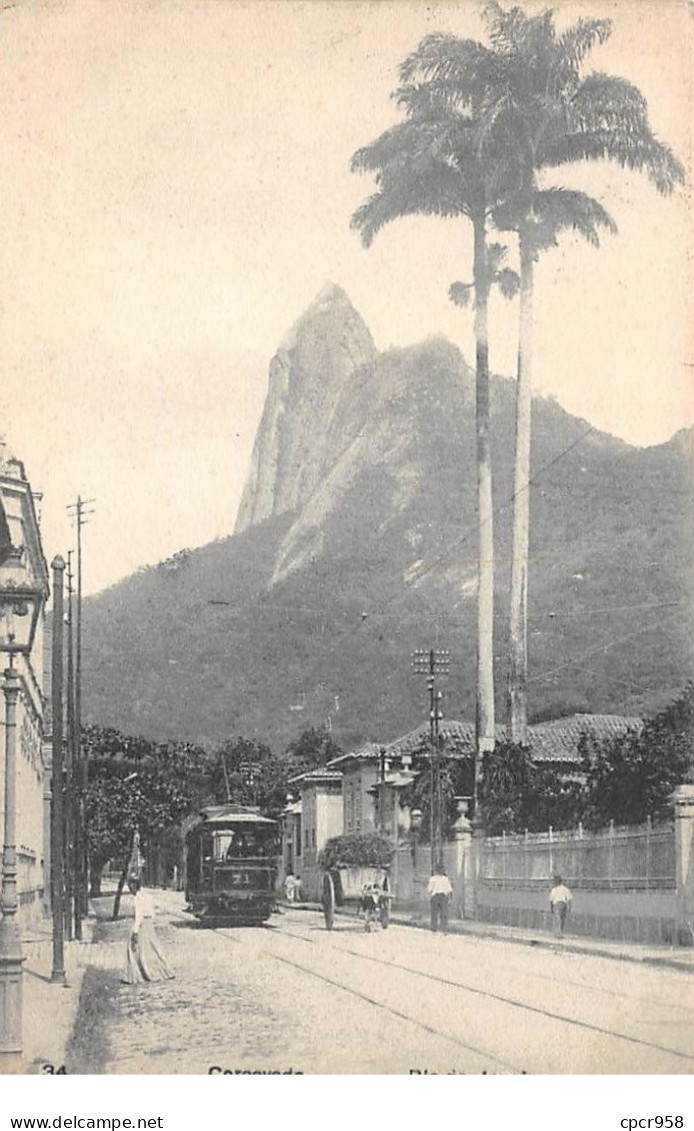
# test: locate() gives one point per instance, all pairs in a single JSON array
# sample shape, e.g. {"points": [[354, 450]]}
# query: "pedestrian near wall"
{"points": [[144, 961], [560, 903], [290, 885], [440, 895]]}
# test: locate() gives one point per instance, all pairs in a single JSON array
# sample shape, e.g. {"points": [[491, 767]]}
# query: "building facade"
{"points": [[20, 541], [306, 832]]}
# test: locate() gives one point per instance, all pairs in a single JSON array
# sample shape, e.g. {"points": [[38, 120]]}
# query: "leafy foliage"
{"points": [[632, 778], [455, 780], [625, 779], [311, 750], [246, 771], [133, 784], [518, 794], [367, 850]]}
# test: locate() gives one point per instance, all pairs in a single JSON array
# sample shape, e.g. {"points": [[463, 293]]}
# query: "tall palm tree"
{"points": [[547, 115], [551, 212], [433, 163]]}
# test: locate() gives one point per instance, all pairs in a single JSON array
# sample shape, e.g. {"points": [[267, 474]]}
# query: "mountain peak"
{"points": [[333, 304], [314, 364], [331, 292]]}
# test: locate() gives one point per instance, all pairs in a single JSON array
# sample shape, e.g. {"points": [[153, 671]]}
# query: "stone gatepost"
{"points": [[461, 834], [684, 850]]}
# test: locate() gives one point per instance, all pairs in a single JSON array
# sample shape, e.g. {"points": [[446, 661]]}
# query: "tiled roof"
{"points": [[553, 741], [368, 750], [317, 777], [557, 739], [459, 738]]}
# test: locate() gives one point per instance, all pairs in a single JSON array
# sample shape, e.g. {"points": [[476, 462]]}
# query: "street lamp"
{"points": [[20, 608]]}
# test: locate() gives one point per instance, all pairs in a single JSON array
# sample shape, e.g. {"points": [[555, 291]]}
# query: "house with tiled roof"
{"points": [[555, 741], [367, 808]]}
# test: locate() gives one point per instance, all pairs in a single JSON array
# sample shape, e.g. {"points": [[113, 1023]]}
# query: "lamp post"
{"points": [[20, 607]]}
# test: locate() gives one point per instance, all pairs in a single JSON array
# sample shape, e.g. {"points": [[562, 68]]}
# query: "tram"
{"points": [[231, 869]]}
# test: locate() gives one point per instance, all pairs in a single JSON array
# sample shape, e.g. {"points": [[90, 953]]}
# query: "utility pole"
{"points": [[432, 662], [80, 893], [70, 764], [57, 846], [382, 791]]}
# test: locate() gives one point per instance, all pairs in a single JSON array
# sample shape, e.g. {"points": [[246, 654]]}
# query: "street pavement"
{"points": [[292, 996]]}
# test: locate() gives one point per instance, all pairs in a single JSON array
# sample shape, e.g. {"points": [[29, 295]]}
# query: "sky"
{"points": [[175, 189]]}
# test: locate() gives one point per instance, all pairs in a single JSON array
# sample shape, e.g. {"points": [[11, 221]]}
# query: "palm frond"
{"points": [[505, 26], [608, 119], [399, 144], [496, 254], [576, 43], [442, 57], [558, 209], [416, 190], [429, 101], [509, 282], [461, 293]]}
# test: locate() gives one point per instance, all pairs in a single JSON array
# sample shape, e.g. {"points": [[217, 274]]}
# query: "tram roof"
{"points": [[229, 814]]}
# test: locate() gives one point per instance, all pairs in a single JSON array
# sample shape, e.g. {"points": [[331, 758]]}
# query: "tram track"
{"points": [[484, 1054], [601, 991], [515, 1003]]}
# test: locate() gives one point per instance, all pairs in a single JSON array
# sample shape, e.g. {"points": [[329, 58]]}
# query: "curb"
{"points": [[547, 943], [551, 943], [481, 930]]}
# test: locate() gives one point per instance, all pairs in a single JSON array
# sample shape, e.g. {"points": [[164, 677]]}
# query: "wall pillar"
{"points": [[475, 866], [464, 864], [684, 849]]}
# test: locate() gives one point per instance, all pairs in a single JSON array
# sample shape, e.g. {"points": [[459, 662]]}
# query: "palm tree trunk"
{"points": [[484, 715], [518, 625]]}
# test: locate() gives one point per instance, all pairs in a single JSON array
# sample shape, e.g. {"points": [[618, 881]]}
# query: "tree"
{"points": [[456, 779], [632, 777], [435, 163], [137, 785], [310, 751], [247, 773], [518, 794], [547, 115]]}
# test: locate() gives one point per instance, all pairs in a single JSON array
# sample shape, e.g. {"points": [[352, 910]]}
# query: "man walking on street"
{"points": [[560, 902], [440, 894]]}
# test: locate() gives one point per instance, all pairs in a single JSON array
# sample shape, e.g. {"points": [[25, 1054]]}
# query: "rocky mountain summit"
{"points": [[355, 543], [308, 377]]}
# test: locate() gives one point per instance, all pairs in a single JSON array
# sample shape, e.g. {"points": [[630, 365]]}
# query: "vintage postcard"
{"points": [[346, 484]]}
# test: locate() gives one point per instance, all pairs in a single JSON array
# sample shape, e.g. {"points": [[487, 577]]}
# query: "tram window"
{"points": [[222, 843], [239, 843]]}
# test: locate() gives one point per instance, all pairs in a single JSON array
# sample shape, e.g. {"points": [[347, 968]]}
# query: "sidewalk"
{"points": [[673, 957], [50, 1008]]}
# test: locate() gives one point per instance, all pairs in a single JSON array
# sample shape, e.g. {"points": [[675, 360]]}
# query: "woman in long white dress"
{"points": [[144, 961]]}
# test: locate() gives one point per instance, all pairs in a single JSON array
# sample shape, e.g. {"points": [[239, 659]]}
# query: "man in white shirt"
{"points": [[560, 902], [440, 894]]}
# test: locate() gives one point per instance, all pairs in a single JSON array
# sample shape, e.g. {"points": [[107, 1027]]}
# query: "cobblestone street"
{"points": [[293, 996]]}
